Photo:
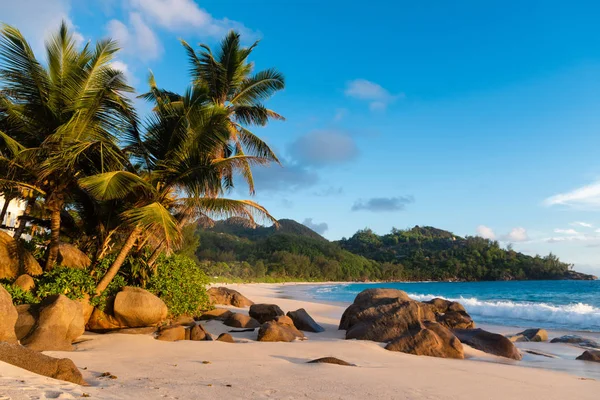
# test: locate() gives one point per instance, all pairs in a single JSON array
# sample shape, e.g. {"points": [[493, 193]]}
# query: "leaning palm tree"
{"points": [[179, 178], [64, 117], [236, 91]]}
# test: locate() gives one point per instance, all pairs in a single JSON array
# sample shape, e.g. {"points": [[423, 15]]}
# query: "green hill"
{"points": [[230, 249]]}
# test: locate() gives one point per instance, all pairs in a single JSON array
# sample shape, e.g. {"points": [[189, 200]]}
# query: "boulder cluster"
{"points": [[436, 328]]}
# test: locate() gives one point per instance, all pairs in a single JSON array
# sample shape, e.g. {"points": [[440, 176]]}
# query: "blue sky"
{"points": [[475, 117]]}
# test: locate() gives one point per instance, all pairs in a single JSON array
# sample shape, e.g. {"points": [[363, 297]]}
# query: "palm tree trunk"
{"points": [[116, 265], [157, 252], [54, 238], [22, 222]]}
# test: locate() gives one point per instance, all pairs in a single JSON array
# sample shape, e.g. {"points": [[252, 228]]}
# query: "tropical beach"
{"points": [[147, 368], [215, 201]]}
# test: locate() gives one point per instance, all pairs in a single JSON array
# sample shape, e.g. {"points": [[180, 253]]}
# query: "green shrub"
{"points": [[20, 296], [73, 283], [181, 284]]}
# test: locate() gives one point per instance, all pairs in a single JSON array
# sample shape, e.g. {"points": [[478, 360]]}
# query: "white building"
{"points": [[16, 208]]}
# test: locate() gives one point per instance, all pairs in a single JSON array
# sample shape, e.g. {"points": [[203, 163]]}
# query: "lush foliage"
{"points": [[233, 251], [181, 284], [19, 296], [73, 283]]}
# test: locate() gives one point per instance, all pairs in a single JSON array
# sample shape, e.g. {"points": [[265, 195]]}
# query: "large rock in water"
{"points": [[304, 322], [38, 363], [71, 257], [369, 300], [228, 297], [15, 260], [590, 355], [135, 307], [8, 317], [488, 342], [238, 320], [451, 314], [387, 321], [60, 322], [26, 320], [281, 329], [265, 312], [430, 339]]}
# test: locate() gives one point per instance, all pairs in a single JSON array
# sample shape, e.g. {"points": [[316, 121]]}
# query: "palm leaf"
{"points": [[114, 185]]}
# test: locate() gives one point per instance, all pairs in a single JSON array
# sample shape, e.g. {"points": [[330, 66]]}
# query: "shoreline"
{"points": [[151, 369]]}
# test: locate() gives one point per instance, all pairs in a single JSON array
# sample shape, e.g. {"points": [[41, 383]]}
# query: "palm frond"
{"points": [[114, 185], [155, 219]]}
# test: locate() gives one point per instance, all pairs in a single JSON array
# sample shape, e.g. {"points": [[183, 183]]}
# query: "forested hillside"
{"points": [[293, 251]]}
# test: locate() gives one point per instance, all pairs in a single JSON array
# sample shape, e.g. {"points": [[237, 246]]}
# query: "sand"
{"points": [[150, 369]]}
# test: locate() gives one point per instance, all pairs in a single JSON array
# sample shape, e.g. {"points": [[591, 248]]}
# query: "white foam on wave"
{"points": [[576, 316]]}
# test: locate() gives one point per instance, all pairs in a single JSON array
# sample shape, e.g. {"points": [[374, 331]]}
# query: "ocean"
{"points": [[561, 305]]}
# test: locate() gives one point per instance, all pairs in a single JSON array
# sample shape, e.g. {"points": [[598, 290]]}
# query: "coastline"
{"points": [[147, 368]]}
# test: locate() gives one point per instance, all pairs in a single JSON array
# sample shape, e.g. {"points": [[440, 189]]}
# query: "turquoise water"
{"points": [[570, 305]]}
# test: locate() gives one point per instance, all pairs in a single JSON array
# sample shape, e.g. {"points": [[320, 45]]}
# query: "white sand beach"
{"points": [[146, 368]]}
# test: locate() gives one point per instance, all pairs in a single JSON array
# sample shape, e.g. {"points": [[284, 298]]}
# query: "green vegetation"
{"points": [[180, 284], [294, 252], [120, 189]]}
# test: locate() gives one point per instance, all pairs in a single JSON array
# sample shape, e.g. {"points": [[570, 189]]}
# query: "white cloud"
{"points": [[36, 19], [378, 96], [583, 224], [518, 234], [486, 232], [186, 15], [586, 197], [566, 231], [136, 39]]}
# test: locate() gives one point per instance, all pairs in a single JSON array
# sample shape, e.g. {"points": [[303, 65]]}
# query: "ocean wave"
{"points": [[575, 316]]}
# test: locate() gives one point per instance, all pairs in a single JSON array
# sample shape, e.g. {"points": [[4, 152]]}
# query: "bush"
{"points": [[73, 283], [20, 296], [181, 284]]}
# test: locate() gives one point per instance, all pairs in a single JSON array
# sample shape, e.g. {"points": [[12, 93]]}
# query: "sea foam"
{"points": [[576, 316]]}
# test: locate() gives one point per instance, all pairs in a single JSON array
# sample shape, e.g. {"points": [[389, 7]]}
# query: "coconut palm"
{"points": [[179, 177], [64, 117], [239, 93]]}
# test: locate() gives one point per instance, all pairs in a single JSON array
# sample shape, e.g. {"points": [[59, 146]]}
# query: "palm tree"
{"points": [[178, 178], [64, 118], [239, 93]]}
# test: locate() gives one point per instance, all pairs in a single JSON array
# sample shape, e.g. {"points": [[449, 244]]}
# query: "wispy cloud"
{"points": [[379, 97], [583, 224], [383, 204], [585, 197], [566, 231], [330, 191]]}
